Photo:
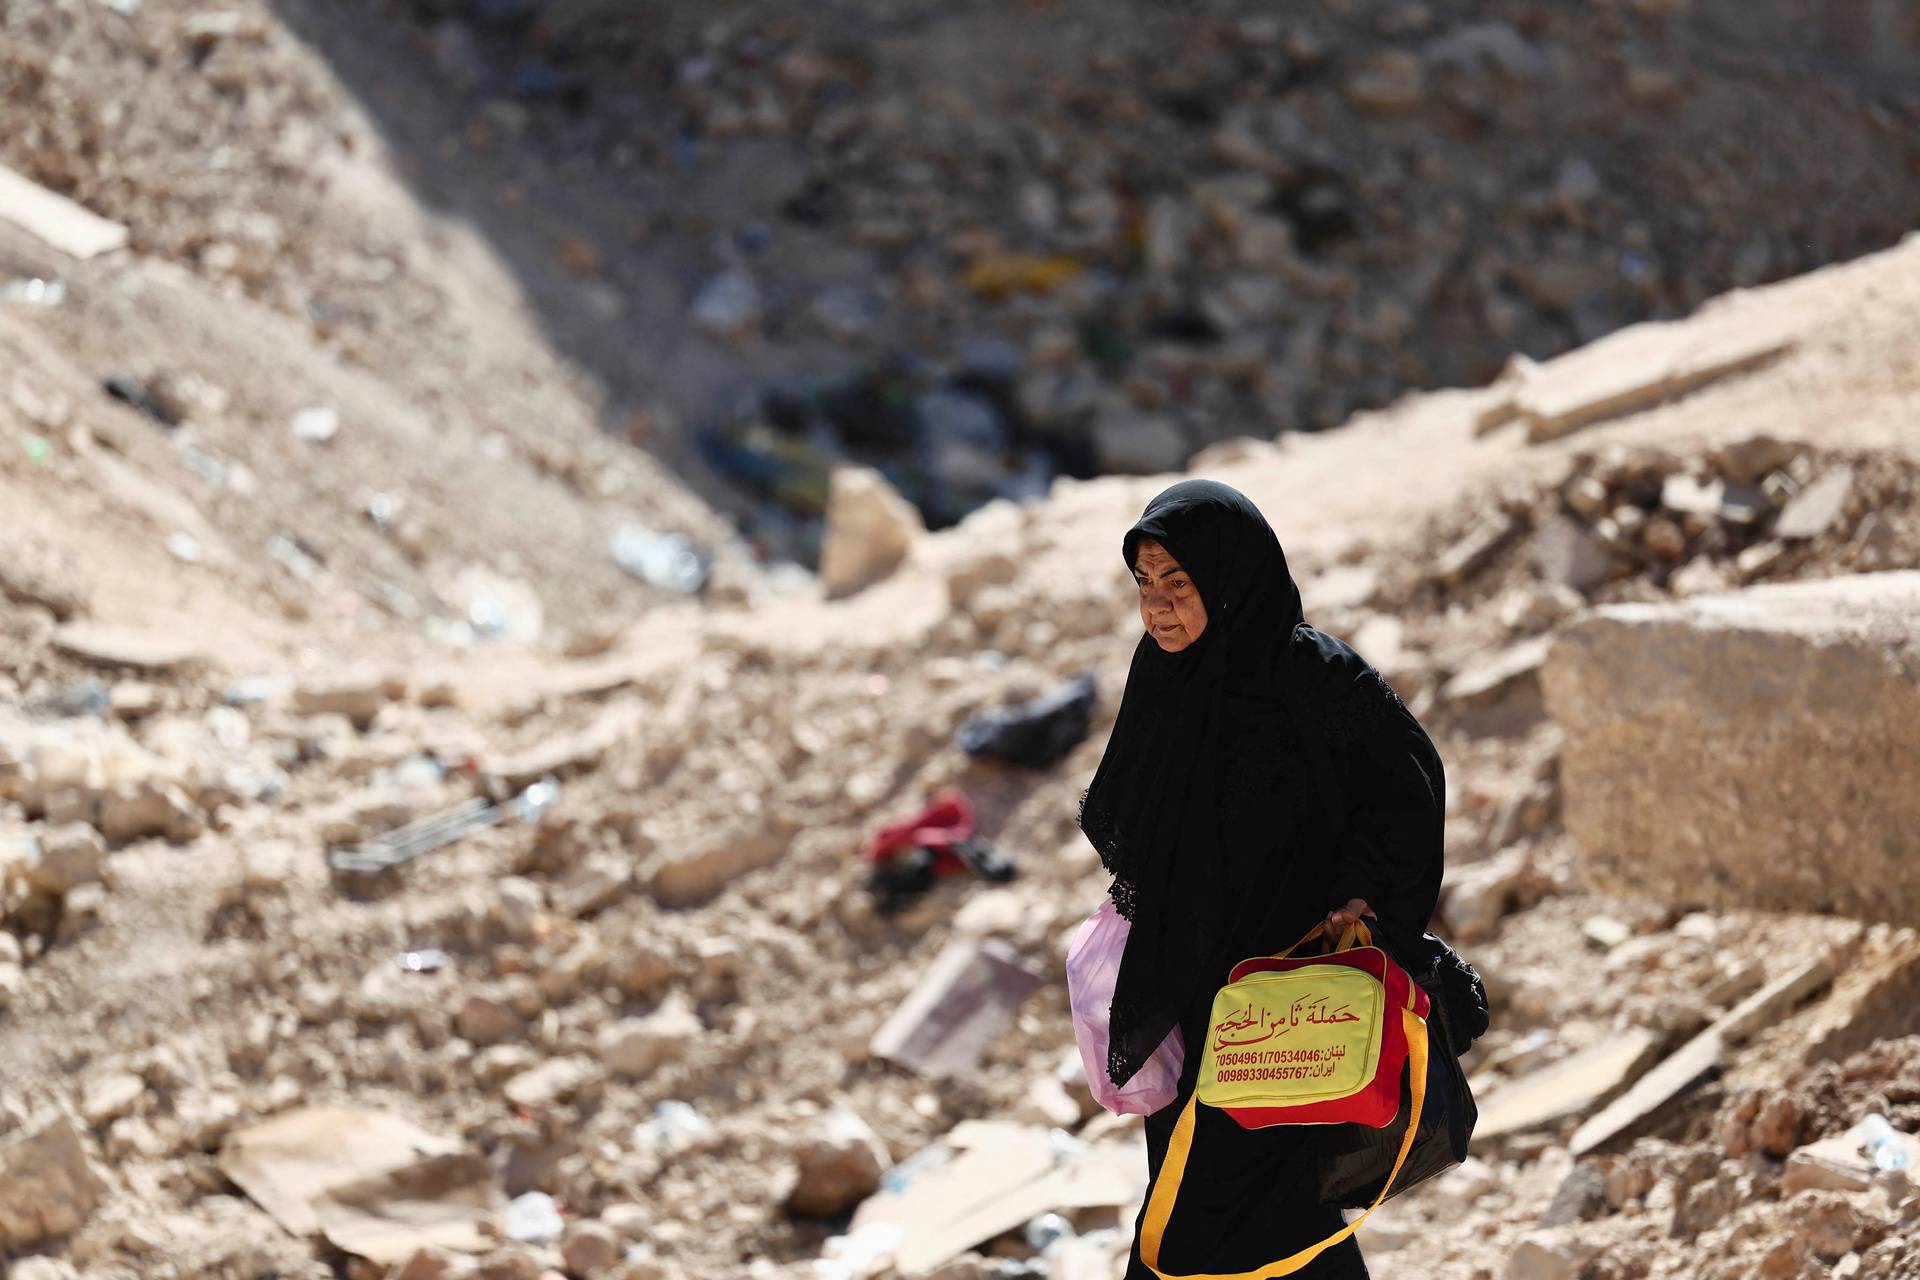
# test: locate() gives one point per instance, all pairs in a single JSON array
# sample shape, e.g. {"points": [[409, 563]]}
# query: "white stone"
{"points": [[641, 1046]]}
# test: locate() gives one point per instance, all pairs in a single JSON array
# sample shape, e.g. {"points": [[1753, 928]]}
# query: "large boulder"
{"points": [[1749, 750]]}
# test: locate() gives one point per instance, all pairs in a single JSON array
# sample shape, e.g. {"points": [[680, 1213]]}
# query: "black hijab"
{"points": [[1193, 797]]}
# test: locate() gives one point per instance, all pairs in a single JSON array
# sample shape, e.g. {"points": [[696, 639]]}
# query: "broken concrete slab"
{"points": [[986, 1178], [1816, 508], [373, 1183], [62, 224], [966, 998], [1775, 1000], [1875, 996], [1565, 551], [110, 646], [568, 752], [1497, 694], [1476, 549], [1748, 750], [1570, 1087], [1700, 1057], [1634, 369], [51, 1186]]}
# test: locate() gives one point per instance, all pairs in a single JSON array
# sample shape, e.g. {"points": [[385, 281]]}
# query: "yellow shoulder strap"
{"points": [[1167, 1186]]}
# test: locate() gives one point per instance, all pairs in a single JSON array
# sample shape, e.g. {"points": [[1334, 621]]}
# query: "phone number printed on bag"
{"points": [[1290, 1037], [1281, 1064]]}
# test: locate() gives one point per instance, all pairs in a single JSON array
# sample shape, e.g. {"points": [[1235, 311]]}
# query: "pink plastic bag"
{"points": [[1093, 965]]}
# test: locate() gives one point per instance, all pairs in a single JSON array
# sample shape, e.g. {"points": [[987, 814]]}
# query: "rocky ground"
{"points": [[978, 246], [273, 598], [685, 923]]}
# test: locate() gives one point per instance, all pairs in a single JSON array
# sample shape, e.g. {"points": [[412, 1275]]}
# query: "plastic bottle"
{"points": [[1882, 1143]]}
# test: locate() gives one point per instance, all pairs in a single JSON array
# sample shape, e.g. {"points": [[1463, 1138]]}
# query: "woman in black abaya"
{"points": [[1261, 777]]}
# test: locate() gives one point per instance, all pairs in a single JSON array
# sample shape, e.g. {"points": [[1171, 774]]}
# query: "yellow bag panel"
{"points": [[1282, 1039]]}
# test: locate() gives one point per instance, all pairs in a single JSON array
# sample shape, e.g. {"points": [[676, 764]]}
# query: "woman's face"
{"points": [[1170, 604]]}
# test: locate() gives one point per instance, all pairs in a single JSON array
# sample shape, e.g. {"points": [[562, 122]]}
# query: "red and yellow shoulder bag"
{"points": [[1313, 1040]]}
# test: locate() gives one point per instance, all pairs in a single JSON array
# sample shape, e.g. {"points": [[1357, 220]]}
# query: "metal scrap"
{"points": [[423, 835]]}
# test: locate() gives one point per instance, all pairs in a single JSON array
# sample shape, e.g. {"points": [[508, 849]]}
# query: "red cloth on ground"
{"points": [[946, 819]]}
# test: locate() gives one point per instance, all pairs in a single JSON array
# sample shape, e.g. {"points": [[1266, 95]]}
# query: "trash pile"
{"points": [[976, 250]]}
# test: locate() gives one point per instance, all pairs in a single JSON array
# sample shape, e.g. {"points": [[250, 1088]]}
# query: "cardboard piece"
{"points": [[997, 1177], [75, 231], [966, 998], [374, 1184]]}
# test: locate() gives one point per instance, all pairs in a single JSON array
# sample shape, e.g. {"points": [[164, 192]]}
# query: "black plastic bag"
{"points": [[1036, 733], [1355, 1159]]}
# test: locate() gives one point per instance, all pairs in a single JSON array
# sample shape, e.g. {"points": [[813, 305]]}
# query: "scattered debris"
{"points": [[669, 560], [374, 1184], [908, 856], [987, 1178], [1700, 1056], [316, 425], [407, 842], [1570, 1087], [66, 226], [959, 1007], [836, 1165], [1037, 733]]}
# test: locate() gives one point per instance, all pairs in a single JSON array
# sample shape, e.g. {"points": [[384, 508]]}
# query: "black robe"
{"points": [[1367, 824]]}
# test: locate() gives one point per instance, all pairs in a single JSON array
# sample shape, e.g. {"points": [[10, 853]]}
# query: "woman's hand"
{"points": [[1340, 917]]}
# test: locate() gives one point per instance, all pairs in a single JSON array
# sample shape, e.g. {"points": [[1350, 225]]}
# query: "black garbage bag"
{"points": [[1037, 733], [1354, 1159]]}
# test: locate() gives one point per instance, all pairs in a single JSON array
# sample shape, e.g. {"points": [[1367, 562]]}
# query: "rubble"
{"points": [[1570, 1087], [73, 230], [52, 1187], [1700, 1056], [962, 1003], [836, 1165], [641, 1046], [639, 999], [374, 1184], [1637, 367], [68, 856]]}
